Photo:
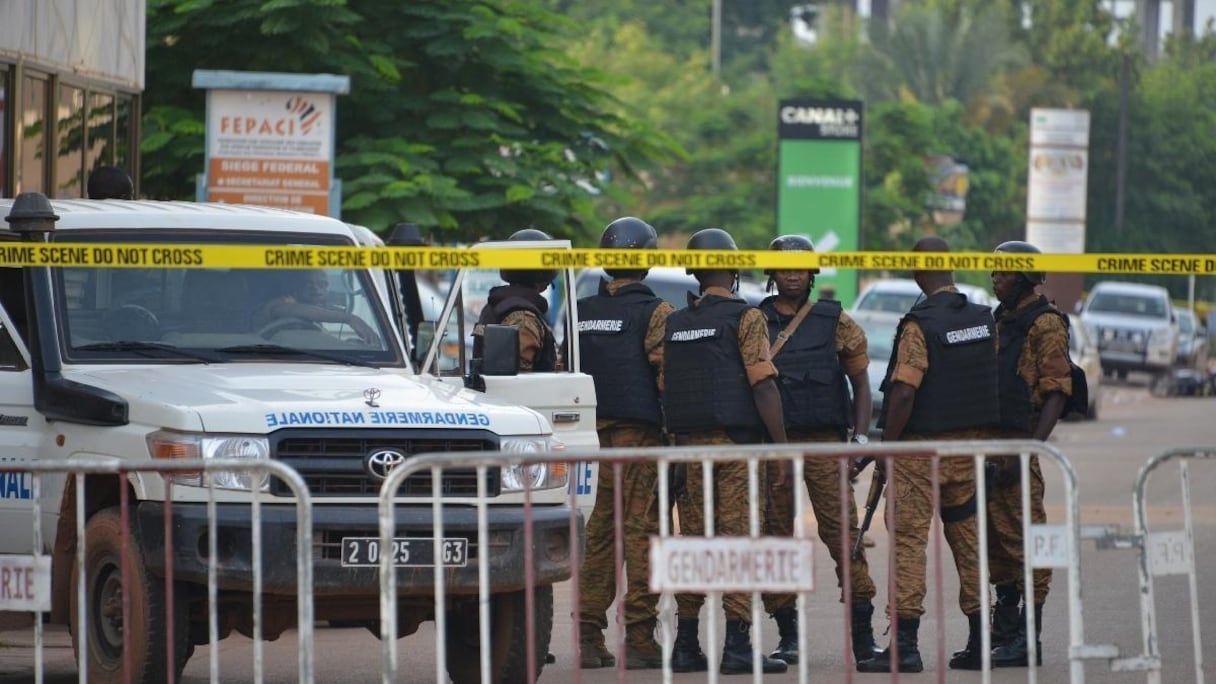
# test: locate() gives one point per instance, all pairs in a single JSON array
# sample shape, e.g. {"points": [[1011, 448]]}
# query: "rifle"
{"points": [[877, 482]]}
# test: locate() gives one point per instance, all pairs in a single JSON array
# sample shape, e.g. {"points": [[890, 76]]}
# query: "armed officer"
{"points": [[1035, 382], [621, 346], [719, 387], [520, 303], [816, 348], [940, 384]]}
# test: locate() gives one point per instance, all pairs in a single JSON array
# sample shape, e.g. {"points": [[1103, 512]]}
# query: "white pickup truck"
{"points": [[167, 361]]}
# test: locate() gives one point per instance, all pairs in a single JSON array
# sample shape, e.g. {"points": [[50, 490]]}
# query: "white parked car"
{"points": [[1192, 340], [1134, 327], [671, 284], [880, 339], [1084, 353], [897, 295]]}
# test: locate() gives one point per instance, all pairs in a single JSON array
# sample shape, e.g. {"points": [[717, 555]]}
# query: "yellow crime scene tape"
{"points": [[114, 255]]}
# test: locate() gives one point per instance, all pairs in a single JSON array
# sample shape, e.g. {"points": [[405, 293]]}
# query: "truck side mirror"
{"points": [[500, 350]]}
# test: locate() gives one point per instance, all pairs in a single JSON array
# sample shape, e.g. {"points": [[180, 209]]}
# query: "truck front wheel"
{"points": [[508, 638], [106, 631]]}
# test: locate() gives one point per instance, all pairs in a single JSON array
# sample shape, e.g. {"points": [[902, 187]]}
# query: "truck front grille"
{"points": [[333, 462], [1123, 340]]}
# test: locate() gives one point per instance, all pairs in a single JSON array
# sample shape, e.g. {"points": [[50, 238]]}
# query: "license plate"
{"points": [[406, 552]]}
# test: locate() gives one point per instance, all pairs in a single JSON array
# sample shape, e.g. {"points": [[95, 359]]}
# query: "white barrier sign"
{"points": [[1168, 553], [25, 583], [1049, 546], [702, 564]]}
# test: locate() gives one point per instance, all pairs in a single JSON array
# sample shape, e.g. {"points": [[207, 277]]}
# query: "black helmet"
{"points": [[712, 238], [523, 277], [1020, 247], [791, 243], [628, 232]]}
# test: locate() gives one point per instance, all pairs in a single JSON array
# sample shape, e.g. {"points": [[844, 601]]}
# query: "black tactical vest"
{"points": [[612, 346], [705, 383], [1016, 409], [814, 390], [507, 298], [960, 390]]}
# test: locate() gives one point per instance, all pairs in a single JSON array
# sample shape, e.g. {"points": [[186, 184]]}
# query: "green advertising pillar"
{"points": [[819, 181]]}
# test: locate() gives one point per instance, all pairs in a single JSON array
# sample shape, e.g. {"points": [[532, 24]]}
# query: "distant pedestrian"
{"points": [[719, 388], [110, 182], [620, 332], [941, 384]]}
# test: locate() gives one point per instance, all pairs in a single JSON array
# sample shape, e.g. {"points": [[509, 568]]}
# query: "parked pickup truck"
{"points": [[310, 368]]}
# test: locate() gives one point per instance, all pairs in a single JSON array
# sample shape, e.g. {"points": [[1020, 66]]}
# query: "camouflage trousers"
{"points": [[1005, 541], [731, 519], [639, 520], [912, 488], [822, 477]]}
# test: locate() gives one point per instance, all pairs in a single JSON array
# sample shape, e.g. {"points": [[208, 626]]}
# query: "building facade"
{"points": [[71, 74]]}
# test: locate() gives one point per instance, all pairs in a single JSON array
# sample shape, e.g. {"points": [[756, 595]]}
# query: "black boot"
{"points": [[1016, 652], [787, 631], [864, 647], [737, 652], [1005, 615], [686, 655], [906, 639], [971, 657]]}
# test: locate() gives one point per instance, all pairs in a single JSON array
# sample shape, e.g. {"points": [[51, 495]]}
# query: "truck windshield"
{"points": [[1129, 305], [168, 314]]}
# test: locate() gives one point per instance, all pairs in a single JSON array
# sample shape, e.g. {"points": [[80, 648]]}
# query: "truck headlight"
{"points": [[1159, 336], [167, 444], [520, 476]]}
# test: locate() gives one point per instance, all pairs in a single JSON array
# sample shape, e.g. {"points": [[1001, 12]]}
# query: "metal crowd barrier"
{"points": [[1049, 545], [79, 467], [1162, 553]]}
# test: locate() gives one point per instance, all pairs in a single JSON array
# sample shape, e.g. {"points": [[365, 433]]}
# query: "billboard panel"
{"points": [[819, 181], [271, 148]]}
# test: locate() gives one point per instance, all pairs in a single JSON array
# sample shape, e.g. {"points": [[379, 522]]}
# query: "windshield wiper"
{"points": [[280, 349], [136, 346]]}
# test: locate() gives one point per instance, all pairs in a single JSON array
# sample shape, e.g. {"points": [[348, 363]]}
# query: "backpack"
{"points": [[1078, 401]]}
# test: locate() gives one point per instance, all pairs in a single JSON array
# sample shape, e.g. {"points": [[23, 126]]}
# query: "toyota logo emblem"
{"points": [[380, 463], [370, 395]]}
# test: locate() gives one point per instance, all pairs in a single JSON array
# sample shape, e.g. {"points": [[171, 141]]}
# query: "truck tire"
{"points": [[146, 634], [508, 637]]}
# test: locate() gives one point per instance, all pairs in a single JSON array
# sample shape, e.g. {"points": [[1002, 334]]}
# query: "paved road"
{"points": [[1106, 453]]}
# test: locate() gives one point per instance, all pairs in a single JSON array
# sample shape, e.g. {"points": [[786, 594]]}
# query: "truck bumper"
{"points": [[551, 547]]}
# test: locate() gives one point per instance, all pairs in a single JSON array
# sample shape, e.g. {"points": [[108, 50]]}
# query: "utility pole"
{"points": [[1184, 18], [1121, 144], [715, 38]]}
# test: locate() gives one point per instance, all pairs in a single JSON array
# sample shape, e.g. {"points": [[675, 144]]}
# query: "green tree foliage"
{"points": [[936, 53], [726, 178], [462, 117]]}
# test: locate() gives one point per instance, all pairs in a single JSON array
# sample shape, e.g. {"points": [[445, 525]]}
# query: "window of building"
{"points": [[31, 172], [69, 139], [124, 151], [4, 75], [101, 131]]}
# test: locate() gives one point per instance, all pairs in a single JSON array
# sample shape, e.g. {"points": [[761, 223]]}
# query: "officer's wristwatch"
{"points": [[860, 438]]}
